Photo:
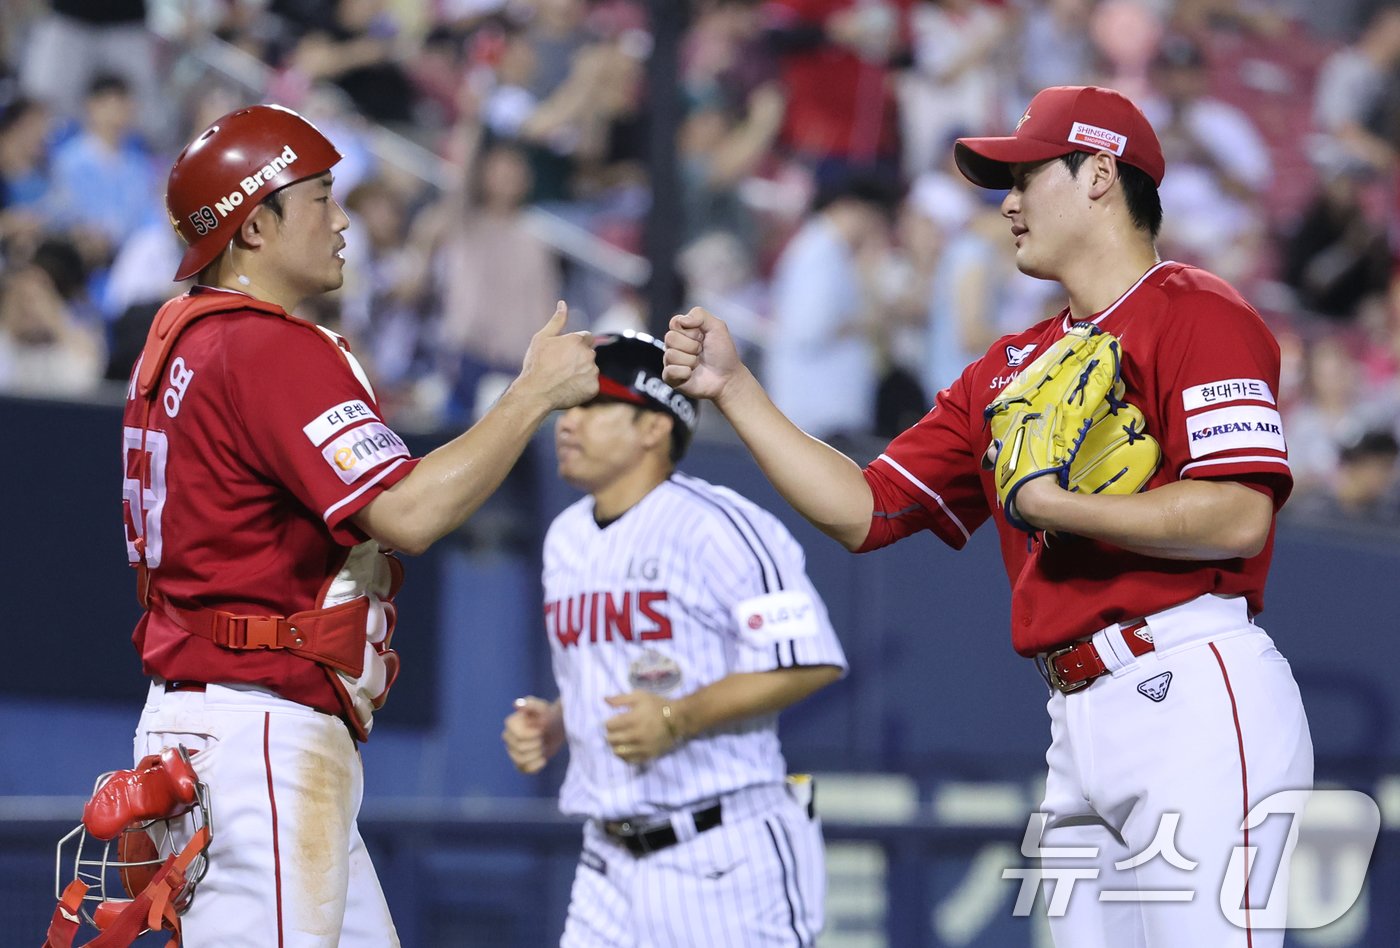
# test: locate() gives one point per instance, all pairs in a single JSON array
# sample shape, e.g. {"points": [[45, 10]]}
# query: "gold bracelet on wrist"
{"points": [[671, 727]]}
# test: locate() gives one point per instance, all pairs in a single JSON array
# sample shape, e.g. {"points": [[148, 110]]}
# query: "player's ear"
{"points": [[253, 231], [1102, 171], [657, 429]]}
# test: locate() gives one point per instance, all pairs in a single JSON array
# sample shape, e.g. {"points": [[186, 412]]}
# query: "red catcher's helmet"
{"points": [[231, 168]]}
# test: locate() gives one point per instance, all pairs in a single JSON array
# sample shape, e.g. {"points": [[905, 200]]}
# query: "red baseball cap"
{"points": [[1060, 120]]}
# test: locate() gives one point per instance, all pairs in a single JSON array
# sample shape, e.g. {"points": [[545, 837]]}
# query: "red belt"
{"points": [[1075, 666]]}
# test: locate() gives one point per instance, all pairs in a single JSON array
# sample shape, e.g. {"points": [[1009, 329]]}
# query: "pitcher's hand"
{"points": [[701, 359]]}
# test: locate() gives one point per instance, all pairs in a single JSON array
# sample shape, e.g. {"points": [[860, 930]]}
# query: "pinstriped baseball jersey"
{"points": [[690, 585]]}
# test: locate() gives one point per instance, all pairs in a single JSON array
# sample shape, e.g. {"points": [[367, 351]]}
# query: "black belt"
{"points": [[640, 841], [184, 686]]}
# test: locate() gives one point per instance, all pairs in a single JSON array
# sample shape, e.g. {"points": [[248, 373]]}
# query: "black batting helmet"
{"points": [[629, 370]]}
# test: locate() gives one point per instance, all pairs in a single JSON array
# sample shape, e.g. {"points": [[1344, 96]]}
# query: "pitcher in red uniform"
{"points": [[1174, 719], [263, 495]]}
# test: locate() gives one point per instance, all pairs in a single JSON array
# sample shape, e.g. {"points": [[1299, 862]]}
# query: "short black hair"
{"points": [[1377, 443], [16, 109], [273, 202], [1178, 51], [1139, 192], [60, 259], [680, 438], [107, 83], [868, 188]]}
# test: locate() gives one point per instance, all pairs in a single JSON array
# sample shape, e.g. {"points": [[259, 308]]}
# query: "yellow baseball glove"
{"points": [[1065, 415]]}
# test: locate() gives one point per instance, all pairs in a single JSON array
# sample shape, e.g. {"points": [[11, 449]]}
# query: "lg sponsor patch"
{"points": [[360, 450], [790, 614], [1226, 429]]}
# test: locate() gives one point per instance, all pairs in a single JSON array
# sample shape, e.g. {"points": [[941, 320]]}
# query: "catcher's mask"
{"points": [[120, 869]]}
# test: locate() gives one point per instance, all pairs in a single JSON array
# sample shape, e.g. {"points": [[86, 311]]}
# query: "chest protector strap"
{"points": [[333, 637]]}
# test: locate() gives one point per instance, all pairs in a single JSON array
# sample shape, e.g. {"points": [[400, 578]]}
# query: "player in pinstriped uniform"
{"points": [[681, 621]]}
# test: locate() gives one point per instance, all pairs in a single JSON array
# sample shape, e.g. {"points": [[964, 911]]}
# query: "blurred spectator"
{"points": [[104, 183], [1363, 489], [968, 291], [822, 365], [1356, 98], [497, 280], [1338, 253], [187, 23], [836, 58], [719, 148], [45, 349], [436, 71], [78, 41], [352, 43], [460, 14], [556, 129], [1220, 166], [1054, 48], [1126, 34], [138, 284], [1200, 18], [1333, 406], [735, 112], [1378, 355], [328, 108], [24, 176], [719, 275], [725, 56], [954, 83], [623, 123], [384, 301], [557, 32]]}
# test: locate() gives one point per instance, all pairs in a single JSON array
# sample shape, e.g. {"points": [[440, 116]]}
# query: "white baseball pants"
{"points": [[1156, 774], [757, 879], [287, 866]]}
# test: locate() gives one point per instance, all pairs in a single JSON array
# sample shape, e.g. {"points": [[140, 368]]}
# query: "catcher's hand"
{"points": [[1065, 415]]}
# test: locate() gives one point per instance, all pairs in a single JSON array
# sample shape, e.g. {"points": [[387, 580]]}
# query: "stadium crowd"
{"points": [[821, 216]]}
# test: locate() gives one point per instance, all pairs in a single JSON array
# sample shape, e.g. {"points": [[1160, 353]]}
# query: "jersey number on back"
{"points": [[143, 491]]}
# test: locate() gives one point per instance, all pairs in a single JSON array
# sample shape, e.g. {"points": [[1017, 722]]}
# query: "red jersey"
{"points": [[263, 441], [838, 103], [1203, 368]]}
